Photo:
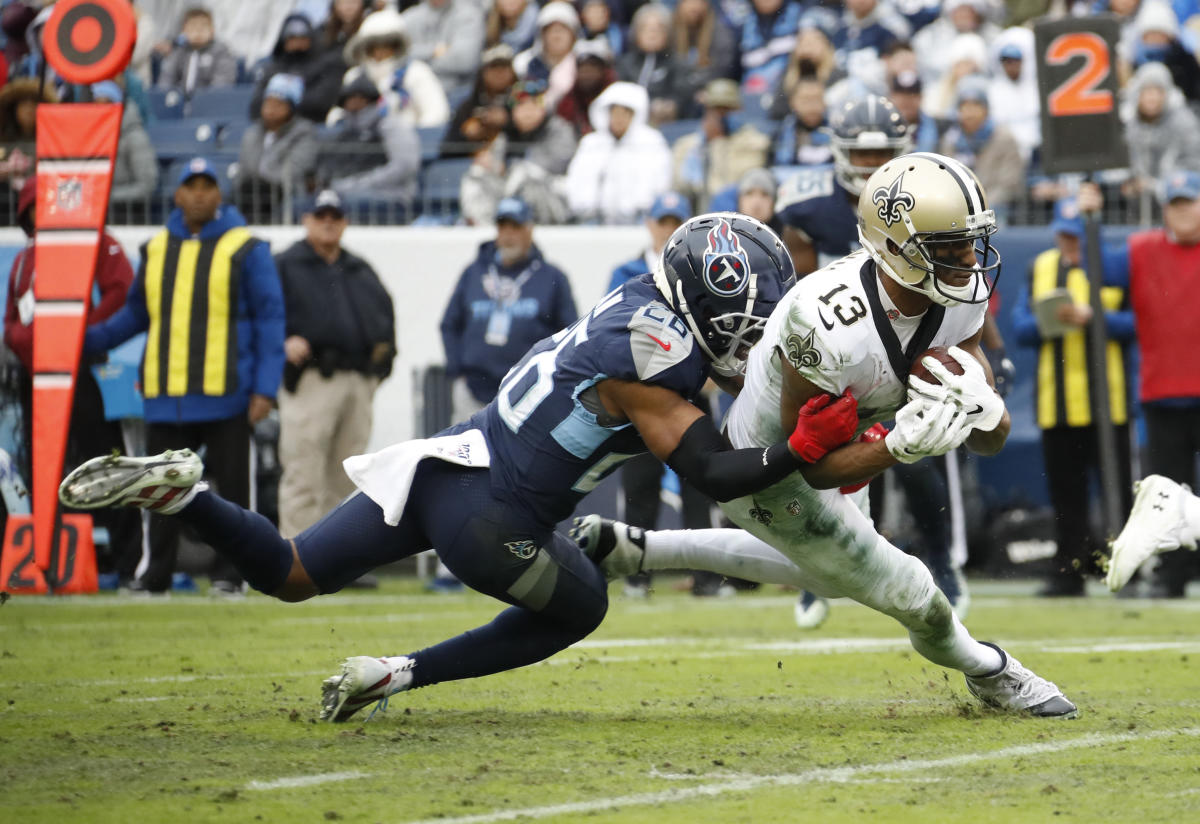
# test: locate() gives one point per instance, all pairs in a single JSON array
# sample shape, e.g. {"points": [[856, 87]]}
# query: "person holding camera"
{"points": [[341, 341]]}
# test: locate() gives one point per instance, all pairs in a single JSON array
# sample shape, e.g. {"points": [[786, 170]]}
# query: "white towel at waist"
{"points": [[386, 476]]}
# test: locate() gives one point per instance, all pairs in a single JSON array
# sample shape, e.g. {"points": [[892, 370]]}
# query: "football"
{"points": [[938, 353]]}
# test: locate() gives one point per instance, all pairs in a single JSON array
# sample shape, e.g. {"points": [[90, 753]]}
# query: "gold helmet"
{"points": [[915, 203]]}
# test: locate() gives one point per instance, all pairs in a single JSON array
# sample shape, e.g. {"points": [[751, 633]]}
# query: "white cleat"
{"points": [[1157, 524], [1016, 689], [163, 483], [810, 610], [362, 681], [617, 548]]}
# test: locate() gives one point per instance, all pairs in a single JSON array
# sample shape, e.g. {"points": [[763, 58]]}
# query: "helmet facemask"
{"points": [[730, 335], [934, 254]]}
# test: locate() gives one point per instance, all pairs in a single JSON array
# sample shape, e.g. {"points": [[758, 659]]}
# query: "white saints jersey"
{"points": [[839, 329]]}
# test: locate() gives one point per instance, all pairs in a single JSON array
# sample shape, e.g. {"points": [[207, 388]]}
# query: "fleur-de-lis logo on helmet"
{"points": [[891, 199]]}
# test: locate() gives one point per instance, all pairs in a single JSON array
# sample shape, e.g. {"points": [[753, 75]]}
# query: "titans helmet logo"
{"points": [[891, 199], [726, 267]]}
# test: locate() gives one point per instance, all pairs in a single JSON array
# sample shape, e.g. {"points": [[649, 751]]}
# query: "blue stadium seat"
{"points": [[440, 182], [678, 128], [229, 134], [431, 141], [165, 104], [224, 103]]}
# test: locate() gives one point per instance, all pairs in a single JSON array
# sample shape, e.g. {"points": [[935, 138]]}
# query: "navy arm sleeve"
{"points": [[704, 459]]}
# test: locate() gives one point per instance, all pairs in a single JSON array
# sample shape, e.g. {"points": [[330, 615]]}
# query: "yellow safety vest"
{"points": [[1062, 377], [191, 298]]}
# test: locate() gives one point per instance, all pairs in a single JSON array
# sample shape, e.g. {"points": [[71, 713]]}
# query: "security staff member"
{"points": [[208, 297], [1063, 404]]}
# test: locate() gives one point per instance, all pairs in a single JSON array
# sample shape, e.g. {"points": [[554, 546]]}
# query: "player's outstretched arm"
{"points": [[688, 441]]}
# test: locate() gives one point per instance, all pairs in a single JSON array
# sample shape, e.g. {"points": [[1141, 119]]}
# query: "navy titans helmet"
{"points": [[867, 123], [723, 273]]}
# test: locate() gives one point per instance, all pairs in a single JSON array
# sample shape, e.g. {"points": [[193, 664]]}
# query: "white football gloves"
{"points": [[926, 427], [970, 390]]}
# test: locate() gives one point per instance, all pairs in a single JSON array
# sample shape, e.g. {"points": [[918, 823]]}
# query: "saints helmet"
{"points": [[917, 203], [869, 122], [723, 273]]}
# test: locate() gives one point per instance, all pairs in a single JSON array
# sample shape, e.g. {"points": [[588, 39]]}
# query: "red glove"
{"points": [[824, 424], [875, 433]]}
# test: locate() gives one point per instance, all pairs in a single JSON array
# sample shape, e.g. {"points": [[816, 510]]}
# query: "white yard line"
{"points": [[837, 775], [306, 780]]}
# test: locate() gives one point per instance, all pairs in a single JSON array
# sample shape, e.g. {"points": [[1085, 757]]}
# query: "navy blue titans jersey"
{"points": [[815, 204], [549, 438]]}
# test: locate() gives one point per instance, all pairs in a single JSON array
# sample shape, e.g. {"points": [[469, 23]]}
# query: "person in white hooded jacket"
{"points": [[1013, 90], [622, 166], [380, 50]]}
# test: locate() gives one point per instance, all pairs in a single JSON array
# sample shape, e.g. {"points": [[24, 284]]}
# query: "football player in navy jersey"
{"points": [[488, 492], [818, 207]]}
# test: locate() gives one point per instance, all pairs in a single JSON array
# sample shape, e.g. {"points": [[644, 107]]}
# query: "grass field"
{"points": [[676, 710]]}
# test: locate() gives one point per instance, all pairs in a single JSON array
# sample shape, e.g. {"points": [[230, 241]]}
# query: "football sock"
{"points": [[950, 645], [733, 553], [402, 672], [248, 540]]}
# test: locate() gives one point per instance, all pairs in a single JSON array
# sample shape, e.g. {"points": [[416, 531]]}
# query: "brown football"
{"points": [[938, 353]]}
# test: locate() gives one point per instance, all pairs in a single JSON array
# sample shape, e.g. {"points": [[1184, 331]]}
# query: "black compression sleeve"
{"points": [[707, 462]]}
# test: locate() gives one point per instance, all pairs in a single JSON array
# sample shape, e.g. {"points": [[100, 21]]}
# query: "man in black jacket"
{"points": [[341, 340], [296, 52]]}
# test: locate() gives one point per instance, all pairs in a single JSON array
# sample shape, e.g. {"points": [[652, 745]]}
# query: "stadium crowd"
{"points": [[591, 109]]}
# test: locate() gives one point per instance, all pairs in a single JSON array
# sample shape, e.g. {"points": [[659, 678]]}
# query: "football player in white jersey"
{"points": [[922, 279]]}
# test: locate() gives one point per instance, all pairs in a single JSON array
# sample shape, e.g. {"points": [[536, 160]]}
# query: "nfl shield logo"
{"points": [[68, 194]]}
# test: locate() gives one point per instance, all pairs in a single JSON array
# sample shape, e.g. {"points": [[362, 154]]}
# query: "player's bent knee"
{"points": [[297, 586]]}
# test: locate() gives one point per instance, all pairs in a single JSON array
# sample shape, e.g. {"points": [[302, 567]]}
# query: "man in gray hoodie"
{"points": [[448, 35]]}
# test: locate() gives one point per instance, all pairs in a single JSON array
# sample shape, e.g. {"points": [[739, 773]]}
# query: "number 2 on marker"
{"points": [[1079, 95]]}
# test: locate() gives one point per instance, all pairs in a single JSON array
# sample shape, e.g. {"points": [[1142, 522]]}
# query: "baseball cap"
{"points": [[670, 204], [972, 88], [558, 11], [327, 200], [1011, 51], [296, 26], [724, 93], [907, 81], [107, 89], [1184, 185], [514, 209], [1067, 220], [499, 53], [198, 166], [593, 50], [287, 87]]}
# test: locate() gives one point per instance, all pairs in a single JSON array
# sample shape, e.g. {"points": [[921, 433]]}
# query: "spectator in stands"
{"points": [[227, 302], [484, 114], [812, 57], [370, 151], [905, 94], [345, 17], [278, 156], [868, 29], [648, 63], [506, 300], [623, 165], [551, 57], [341, 342], [512, 22], [18, 135], [717, 155], [447, 35], [135, 171], [15, 19], [297, 53], [1162, 132], [594, 73], [527, 161], [767, 37], [967, 56], [198, 60], [598, 22], [802, 138], [756, 193], [1013, 91], [987, 149], [90, 432], [1157, 31], [1065, 410], [143, 48], [1164, 282], [958, 17], [703, 47], [409, 87]]}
